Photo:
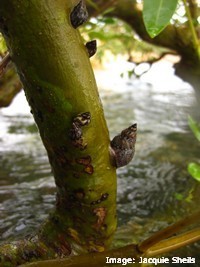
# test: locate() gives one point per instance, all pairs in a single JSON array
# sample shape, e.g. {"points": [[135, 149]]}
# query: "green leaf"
{"points": [[194, 170], [195, 127], [157, 14]]}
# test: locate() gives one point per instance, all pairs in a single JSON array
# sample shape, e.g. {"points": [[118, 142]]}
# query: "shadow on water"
{"points": [[154, 190]]}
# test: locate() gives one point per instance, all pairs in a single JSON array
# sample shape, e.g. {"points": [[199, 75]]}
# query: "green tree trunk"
{"points": [[59, 84]]}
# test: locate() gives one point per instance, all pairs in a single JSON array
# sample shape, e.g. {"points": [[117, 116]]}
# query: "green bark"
{"points": [[59, 83]]}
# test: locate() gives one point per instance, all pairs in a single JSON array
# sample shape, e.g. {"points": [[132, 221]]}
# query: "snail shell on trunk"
{"points": [[122, 147]]}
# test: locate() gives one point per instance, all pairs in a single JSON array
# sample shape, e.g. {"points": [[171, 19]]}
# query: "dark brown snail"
{"points": [[122, 147]]}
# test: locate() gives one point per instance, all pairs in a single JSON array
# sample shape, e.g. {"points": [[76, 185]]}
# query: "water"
{"points": [[153, 191], [26, 185], [160, 104]]}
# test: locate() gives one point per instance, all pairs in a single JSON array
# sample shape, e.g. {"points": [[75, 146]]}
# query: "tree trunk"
{"points": [[59, 84]]}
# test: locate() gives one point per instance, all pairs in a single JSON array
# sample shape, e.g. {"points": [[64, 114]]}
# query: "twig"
{"points": [[168, 231], [174, 243]]}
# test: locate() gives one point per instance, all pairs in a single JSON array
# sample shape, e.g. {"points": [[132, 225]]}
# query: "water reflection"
{"points": [[147, 188]]}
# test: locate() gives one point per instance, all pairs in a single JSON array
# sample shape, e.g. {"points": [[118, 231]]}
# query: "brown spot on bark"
{"points": [[84, 160], [98, 201], [80, 144], [79, 193], [100, 213], [104, 196], [89, 169], [61, 158]]}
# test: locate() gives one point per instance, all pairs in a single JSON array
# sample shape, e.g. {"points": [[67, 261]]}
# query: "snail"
{"points": [[122, 147], [79, 15]]}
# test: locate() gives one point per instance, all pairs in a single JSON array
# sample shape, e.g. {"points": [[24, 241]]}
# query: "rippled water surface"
{"points": [[154, 190]]}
